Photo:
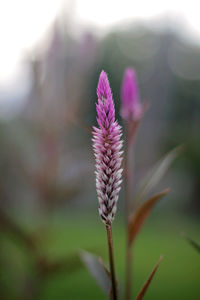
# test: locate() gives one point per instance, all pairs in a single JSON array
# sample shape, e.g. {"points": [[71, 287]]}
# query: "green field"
{"points": [[177, 277]]}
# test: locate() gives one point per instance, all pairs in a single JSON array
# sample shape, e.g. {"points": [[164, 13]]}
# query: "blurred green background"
{"points": [[48, 203]]}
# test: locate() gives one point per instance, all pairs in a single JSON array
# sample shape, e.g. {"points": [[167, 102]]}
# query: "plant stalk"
{"points": [[129, 273], [130, 134], [111, 262]]}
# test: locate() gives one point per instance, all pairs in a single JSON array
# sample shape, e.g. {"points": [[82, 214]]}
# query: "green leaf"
{"points": [[157, 173], [193, 243], [147, 283], [99, 272], [137, 219]]}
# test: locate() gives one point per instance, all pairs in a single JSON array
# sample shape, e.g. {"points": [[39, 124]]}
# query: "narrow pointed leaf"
{"points": [[104, 266], [157, 173], [109, 275], [137, 219], [193, 243], [99, 272], [147, 283]]}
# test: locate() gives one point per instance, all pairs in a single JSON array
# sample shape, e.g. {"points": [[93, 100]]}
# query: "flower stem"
{"points": [[111, 262], [129, 273], [130, 134]]}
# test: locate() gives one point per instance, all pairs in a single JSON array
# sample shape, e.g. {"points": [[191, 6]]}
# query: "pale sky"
{"points": [[105, 13], [24, 22]]}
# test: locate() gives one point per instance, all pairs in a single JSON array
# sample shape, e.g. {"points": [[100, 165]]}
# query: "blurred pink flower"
{"points": [[131, 109]]}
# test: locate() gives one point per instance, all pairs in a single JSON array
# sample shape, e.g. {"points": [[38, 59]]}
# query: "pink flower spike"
{"points": [[107, 149], [131, 109]]}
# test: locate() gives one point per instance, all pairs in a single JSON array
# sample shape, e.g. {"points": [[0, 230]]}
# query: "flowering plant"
{"points": [[108, 152]]}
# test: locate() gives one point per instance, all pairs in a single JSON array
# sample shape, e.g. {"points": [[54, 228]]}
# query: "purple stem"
{"points": [[130, 135], [114, 291]]}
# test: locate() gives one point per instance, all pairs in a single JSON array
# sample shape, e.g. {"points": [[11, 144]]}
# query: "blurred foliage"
{"points": [[178, 273]]}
